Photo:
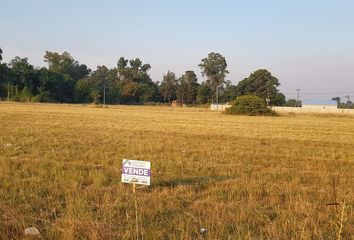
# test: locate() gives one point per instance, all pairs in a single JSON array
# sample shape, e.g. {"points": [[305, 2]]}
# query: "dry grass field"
{"points": [[240, 177]]}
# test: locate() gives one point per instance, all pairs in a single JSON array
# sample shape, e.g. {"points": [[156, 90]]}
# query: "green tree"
{"points": [[146, 92], [229, 92], [42, 96], [82, 92], [293, 103], [114, 94], [181, 91], [168, 86], [4, 80], [338, 100], [15, 94], [187, 88], [25, 95], [113, 87], [204, 93], [135, 71], [95, 96], [66, 65], [103, 80], [214, 68], [23, 75], [70, 70], [348, 104], [262, 84], [99, 79], [249, 105], [135, 82], [4, 72], [192, 86], [130, 93], [52, 86]]}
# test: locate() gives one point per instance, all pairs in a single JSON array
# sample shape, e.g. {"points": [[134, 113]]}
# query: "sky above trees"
{"points": [[306, 44]]}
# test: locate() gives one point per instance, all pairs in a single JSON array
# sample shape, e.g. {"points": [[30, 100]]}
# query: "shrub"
{"points": [[25, 95], [249, 105], [42, 96]]}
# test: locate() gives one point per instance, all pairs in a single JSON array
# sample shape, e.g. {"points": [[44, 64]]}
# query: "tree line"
{"points": [[347, 104], [65, 80]]}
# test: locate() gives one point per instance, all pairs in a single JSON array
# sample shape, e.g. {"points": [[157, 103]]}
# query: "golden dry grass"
{"points": [[240, 177]]}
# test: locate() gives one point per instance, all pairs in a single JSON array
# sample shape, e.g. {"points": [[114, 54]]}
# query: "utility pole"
{"points": [[104, 94], [298, 97], [268, 101], [8, 90], [217, 97], [268, 97], [348, 100], [104, 90]]}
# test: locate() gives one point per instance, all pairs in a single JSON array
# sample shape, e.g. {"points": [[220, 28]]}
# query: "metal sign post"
{"points": [[136, 213]]}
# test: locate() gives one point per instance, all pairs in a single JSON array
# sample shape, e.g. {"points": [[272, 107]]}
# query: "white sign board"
{"points": [[134, 171]]}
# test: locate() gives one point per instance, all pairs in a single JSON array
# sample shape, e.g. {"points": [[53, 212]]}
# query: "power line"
{"points": [[348, 102], [318, 93], [298, 96]]}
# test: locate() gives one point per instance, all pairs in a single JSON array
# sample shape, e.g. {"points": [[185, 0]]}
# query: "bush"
{"points": [[42, 96], [25, 95], [249, 105]]}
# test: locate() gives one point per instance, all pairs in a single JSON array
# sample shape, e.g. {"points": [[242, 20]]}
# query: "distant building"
{"points": [[219, 107], [319, 106]]}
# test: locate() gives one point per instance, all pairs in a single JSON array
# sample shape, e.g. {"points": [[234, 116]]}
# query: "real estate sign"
{"points": [[135, 171]]}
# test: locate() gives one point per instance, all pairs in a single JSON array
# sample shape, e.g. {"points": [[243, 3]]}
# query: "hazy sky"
{"points": [[306, 44]]}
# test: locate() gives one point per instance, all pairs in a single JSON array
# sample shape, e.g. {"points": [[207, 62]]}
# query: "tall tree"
{"points": [[66, 65], [99, 79], [100, 76], [214, 68], [192, 85], [71, 70], [229, 92], [187, 88], [4, 75], [181, 91], [338, 100], [24, 75], [168, 86], [114, 92], [102, 84], [52, 87], [83, 90], [262, 84], [204, 93], [135, 71], [147, 92], [4, 81], [135, 82]]}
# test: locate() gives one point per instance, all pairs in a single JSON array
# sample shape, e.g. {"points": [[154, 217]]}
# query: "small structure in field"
{"points": [[174, 103], [219, 107]]}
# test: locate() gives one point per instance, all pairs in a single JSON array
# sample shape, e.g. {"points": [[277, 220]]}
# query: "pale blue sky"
{"points": [[306, 44]]}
